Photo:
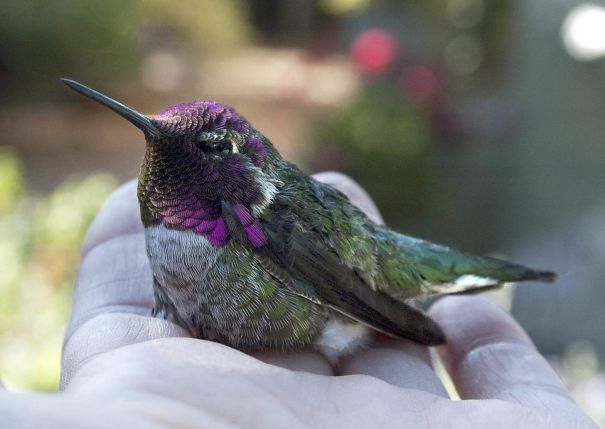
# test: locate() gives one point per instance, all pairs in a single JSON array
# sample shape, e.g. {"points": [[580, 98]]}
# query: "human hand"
{"points": [[123, 368]]}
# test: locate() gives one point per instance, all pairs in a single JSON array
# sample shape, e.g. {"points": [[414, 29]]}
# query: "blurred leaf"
{"points": [[385, 141], [39, 249], [215, 27], [49, 38], [11, 179]]}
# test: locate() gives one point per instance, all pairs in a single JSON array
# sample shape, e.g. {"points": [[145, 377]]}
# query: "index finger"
{"points": [[114, 272], [489, 356]]}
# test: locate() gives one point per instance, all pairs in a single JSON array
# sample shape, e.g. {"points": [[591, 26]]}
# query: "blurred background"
{"points": [[474, 123]]}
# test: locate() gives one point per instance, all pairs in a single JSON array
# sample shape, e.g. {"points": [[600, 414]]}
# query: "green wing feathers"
{"points": [[404, 267], [326, 250], [413, 267]]}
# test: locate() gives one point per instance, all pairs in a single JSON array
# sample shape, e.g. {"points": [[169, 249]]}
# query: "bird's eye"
{"points": [[221, 147], [224, 147]]}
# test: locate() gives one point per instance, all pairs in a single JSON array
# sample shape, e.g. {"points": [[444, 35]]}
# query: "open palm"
{"points": [[123, 368]]}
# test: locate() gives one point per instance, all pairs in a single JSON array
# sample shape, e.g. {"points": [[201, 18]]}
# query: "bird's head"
{"points": [[206, 169]]}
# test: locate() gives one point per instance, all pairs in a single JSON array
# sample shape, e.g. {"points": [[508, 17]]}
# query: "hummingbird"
{"points": [[249, 251]]}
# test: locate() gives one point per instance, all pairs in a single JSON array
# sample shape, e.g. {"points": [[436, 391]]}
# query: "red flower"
{"points": [[374, 50]]}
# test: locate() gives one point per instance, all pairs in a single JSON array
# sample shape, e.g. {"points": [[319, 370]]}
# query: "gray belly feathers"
{"points": [[222, 294]]}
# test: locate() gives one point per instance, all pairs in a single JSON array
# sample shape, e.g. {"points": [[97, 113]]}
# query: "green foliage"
{"points": [[385, 141], [39, 250], [208, 26], [11, 183], [104, 39], [43, 38]]}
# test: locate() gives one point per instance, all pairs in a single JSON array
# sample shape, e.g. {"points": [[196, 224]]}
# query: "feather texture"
{"points": [[248, 250]]}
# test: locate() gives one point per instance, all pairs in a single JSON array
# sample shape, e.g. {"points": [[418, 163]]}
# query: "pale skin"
{"points": [[123, 368]]}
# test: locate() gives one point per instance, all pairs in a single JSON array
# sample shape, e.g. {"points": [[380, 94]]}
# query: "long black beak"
{"points": [[137, 119]]}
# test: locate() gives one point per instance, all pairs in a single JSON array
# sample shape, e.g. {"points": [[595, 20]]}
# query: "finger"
{"points": [[114, 272], [118, 216], [114, 276], [306, 360], [401, 363], [490, 356], [107, 332]]}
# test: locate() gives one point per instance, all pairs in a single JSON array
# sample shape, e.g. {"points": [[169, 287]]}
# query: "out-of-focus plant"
{"points": [[214, 27], [383, 142], [39, 250], [106, 39], [385, 135], [49, 38], [11, 185]]}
